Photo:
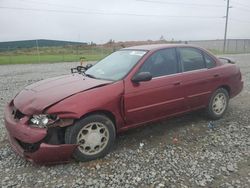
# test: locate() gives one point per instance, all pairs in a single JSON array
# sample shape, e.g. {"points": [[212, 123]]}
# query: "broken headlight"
{"points": [[42, 120]]}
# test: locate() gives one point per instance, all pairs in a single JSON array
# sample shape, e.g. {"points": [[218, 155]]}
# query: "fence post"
{"points": [[236, 45], [63, 53], [9, 55], [38, 52], [244, 46], [77, 53], [102, 50]]}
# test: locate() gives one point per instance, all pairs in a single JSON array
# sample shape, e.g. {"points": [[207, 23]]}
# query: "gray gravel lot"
{"points": [[143, 157]]}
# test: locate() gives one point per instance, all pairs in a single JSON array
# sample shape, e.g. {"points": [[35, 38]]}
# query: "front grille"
{"points": [[17, 114], [29, 147]]}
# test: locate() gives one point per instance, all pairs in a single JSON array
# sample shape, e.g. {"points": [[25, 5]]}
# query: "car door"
{"points": [[197, 77], [160, 97]]}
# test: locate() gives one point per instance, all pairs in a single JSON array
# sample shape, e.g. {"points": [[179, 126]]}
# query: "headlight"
{"points": [[42, 120]]}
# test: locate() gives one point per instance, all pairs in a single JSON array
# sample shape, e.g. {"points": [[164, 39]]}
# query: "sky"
{"points": [[122, 20]]}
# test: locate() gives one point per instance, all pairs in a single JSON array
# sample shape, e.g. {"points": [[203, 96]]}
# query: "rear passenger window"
{"points": [[161, 63], [210, 63], [191, 59]]}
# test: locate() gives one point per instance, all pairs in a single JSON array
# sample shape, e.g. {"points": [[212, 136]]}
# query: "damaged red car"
{"points": [[79, 115]]}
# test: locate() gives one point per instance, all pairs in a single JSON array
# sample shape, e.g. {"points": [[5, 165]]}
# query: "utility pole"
{"points": [[225, 34]]}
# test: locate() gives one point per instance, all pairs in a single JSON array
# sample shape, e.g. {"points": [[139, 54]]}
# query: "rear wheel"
{"points": [[218, 104], [94, 135]]}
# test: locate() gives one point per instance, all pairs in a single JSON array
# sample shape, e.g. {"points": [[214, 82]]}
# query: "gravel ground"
{"points": [[181, 152]]}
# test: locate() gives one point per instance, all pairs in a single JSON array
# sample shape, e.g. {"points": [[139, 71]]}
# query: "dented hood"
{"points": [[38, 96]]}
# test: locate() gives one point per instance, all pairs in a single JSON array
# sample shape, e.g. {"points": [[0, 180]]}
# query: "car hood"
{"points": [[36, 97]]}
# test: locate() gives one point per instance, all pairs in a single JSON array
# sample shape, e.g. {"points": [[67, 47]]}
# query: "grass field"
{"points": [[57, 54], [26, 59], [53, 55]]}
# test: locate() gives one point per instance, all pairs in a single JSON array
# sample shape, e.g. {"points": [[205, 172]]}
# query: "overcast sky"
{"points": [[122, 20]]}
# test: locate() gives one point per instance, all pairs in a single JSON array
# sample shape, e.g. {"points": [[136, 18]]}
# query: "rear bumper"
{"points": [[18, 130], [237, 89]]}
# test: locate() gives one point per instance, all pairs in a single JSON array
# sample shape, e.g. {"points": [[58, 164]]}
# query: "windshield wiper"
{"points": [[90, 76], [78, 69]]}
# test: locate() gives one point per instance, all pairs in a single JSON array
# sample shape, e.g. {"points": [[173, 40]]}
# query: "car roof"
{"points": [[152, 47]]}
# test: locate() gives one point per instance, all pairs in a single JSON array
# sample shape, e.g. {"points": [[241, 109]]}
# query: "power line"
{"points": [[74, 7], [49, 4], [241, 4], [107, 13], [245, 1], [240, 21], [182, 3], [244, 9]]}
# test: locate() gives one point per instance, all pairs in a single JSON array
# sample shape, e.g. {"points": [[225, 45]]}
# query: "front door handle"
{"points": [[177, 83], [216, 75]]}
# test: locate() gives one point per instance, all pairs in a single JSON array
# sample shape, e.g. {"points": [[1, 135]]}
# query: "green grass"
{"points": [[26, 59], [53, 55]]}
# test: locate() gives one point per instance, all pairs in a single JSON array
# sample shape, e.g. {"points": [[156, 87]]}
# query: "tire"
{"points": [[95, 135], [216, 110]]}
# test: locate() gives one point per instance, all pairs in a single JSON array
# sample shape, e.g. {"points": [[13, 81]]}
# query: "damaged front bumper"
{"points": [[32, 143]]}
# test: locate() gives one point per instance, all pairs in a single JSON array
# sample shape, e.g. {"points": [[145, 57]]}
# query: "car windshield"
{"points": [[116, 65]]}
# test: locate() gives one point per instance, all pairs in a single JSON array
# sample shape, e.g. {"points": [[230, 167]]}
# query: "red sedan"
{"points": [[78, 115]]}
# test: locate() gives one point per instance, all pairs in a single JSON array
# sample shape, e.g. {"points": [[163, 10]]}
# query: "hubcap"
{"points": [[93, 138], [219, 103]]}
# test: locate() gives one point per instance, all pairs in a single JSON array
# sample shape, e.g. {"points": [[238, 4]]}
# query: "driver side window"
{"points": [[161, 63]]}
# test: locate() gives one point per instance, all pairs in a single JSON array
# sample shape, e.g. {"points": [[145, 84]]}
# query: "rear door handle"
{"points": [[216, 75], [177, 83]]}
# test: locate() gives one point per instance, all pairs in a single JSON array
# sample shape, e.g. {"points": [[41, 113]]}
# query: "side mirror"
{"points": [[142, 77], [227, 60]]}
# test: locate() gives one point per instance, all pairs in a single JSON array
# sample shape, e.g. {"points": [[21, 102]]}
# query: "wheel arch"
{"points": [[72, 132], [227, 88], [107, 113]]}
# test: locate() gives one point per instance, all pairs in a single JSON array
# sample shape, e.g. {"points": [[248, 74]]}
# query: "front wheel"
{"points": [[94, 135], [218, 104]]}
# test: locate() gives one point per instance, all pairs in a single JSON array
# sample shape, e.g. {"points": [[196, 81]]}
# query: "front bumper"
{"points": [[19, 132]]}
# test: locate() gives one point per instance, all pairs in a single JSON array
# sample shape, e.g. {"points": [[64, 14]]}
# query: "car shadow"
{"points": [[161, 132]]}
